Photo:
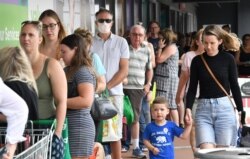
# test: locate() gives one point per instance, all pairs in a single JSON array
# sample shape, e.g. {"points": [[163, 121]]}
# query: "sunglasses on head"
{"points": [[104, 20], [31, 22]]}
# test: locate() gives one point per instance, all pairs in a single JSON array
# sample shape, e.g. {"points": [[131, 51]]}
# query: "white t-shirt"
{"points": [[186, 64]]}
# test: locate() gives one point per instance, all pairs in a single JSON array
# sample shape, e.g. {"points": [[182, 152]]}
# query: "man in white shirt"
{"points": [[114, 54]]}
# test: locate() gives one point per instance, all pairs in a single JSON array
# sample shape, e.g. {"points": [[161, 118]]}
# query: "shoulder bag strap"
{"points": [[215, 79]]}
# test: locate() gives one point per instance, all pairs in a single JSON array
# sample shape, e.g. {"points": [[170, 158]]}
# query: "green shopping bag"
{"points": [[66, 140], [128, 110], [99, 131], [64, 134]]}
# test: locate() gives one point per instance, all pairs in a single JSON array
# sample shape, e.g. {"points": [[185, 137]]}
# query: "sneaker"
{"points": [[124, 149], [138, 153], [108, 157], [144, 149]]}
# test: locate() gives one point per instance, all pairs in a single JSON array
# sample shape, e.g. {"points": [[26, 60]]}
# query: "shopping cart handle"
{"points": [[44, 121]]}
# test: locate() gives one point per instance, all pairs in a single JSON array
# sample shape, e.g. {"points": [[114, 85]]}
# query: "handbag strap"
{"points": [[215, 79]]}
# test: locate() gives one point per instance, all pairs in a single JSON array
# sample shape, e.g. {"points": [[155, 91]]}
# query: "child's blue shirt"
{"points": [[162, 138]]}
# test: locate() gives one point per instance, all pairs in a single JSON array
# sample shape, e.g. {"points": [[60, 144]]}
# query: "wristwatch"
{"points": [[149, 83]]}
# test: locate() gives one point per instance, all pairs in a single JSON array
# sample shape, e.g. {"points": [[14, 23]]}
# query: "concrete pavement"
{"points": [[182, 150]]}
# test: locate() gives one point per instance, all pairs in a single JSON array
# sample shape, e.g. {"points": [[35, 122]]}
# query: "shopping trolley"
{"points": [[38, 140]]}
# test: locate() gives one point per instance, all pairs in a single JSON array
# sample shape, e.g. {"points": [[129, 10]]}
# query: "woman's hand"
{"points": [[188, 117], [59, 135], [161, 44]]}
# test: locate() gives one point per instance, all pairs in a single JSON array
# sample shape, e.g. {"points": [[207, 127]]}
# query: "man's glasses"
{"points": [[137, 34], [51, 26], [104, 20]]}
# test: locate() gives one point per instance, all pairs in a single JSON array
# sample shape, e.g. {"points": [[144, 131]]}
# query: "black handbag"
{"points": [[103, 108], [245, 132], [245, 136]]}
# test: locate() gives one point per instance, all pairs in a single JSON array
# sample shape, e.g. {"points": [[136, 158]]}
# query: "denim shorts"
{"points": [[215, 122]]}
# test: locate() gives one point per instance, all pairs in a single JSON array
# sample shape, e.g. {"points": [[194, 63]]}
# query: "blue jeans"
{"points": [[126, 142], [215, 122], [145, 118]]}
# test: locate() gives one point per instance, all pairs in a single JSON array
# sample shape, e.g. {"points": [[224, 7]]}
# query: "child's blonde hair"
{"points": [[160, 100]]}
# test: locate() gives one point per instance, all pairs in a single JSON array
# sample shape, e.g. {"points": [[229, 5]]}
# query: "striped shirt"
{"points": [[139, 62]]}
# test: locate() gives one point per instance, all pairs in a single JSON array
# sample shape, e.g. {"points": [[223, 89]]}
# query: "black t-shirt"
{"points": [[28, 95], [244, 70], [224, 69], [154, 42]]}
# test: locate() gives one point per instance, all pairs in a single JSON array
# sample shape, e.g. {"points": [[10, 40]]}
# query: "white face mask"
{"points": [[104, 27]]}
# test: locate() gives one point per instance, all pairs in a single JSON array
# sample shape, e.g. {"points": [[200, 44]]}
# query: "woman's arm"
{"points": [[163, 54], [85, 98], [234, 85], [182, 86], [193, 84], [188, 124], [59, 87], [101, 83]]}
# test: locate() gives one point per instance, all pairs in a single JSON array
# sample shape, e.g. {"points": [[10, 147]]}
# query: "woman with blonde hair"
{"points": [[16, 73], [50, 78], [215, 120]]}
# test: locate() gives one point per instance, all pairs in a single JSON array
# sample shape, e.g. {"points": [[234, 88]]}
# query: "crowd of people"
{"points": [[57, 76]]}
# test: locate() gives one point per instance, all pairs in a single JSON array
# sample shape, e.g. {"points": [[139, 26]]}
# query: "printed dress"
{"points": [[166, 78]]}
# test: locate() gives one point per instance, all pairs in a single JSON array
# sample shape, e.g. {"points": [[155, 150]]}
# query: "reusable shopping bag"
{"points": [[128, 110], [65, 135], [153, 92], [108, 130]]}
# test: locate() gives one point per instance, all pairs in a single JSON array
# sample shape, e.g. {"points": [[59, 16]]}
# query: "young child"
{"points": [[159, 134]]}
